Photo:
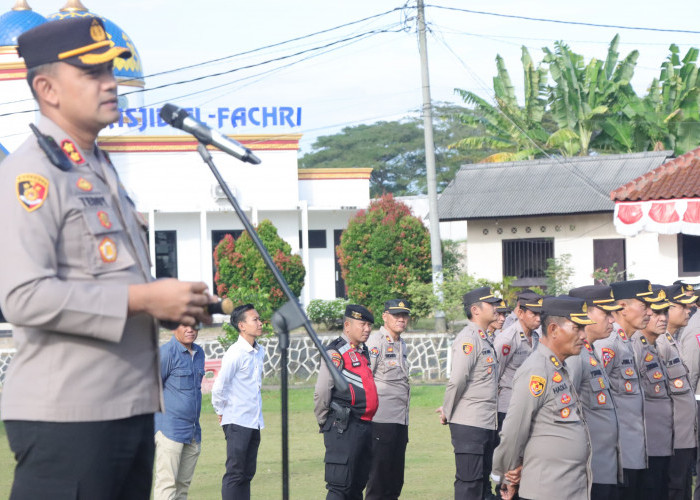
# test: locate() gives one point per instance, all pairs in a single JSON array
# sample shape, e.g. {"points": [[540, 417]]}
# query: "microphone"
{"points": [[224, 306], [180, 119]]}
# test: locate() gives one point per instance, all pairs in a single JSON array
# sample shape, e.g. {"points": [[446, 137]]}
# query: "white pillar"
{"points": [[152, 239], [254, 216], [205, 257], [304, 212]]}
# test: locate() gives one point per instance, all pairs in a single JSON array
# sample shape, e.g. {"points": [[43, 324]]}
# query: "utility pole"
{"points": [[435, 247]]}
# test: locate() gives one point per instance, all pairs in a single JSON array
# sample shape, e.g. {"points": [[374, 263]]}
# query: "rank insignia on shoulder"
{"points": [[556, 378], [467, 348], [374, 352], [669, 337], [601, 398], [678, 383], [565, 412], [537, 385], [648, 357], [505, 349], [337, 359], [555, 361], [622, 334], [72, 152], [607, 354], [389, 339], [84, 185], [643, 340], [482, 334], [566, 399], [32, 190], [588, 346], [108, 250]]}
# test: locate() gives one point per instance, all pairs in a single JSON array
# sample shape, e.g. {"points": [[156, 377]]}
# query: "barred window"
{"points": [[527, 258]]}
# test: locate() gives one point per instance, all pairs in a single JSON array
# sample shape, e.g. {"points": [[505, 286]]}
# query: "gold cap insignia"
{"points": [[401, 304], [356, 315], [97, 32]]}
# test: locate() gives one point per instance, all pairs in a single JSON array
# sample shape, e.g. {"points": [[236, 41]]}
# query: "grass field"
{"points": [[429, 459]]}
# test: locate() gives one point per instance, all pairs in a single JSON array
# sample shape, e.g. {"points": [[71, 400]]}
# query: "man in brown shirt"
{"points": [[82, 388]]}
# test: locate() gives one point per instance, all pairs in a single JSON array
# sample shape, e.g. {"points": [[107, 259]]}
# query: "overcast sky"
{"points": [[370, 77]]}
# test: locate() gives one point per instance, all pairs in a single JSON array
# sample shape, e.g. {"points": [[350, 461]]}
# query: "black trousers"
{"points": [[655, 482], [108, 460], [604, 492], [632, 484], [242, 445], [348, 459], [388, 458], [680, 474], [472, 461]]}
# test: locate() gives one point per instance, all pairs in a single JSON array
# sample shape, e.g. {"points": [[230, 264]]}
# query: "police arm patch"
{"points": [[505, 349], [32, 190], [337, 359], [467, 348], [537, 385], [607, 354]]}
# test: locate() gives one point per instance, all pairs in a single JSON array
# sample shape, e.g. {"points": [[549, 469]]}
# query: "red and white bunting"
{"points": [[658, 216]]}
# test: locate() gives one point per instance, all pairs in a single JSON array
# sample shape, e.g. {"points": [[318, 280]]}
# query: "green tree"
{"points": [[382, 250], [395, 151], [510, 131], [241, 273], [559, 273]]}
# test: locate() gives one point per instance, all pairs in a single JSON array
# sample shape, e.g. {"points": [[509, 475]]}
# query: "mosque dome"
{"points": [[127, 71], [15, 22]]}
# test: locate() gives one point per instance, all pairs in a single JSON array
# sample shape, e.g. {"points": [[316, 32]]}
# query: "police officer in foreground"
{"points": [[470, 398], [593, 387], [76, 285], [545, 449], [345, 418], [619, 363], [658, 408], [388, 356], [684, 412]]}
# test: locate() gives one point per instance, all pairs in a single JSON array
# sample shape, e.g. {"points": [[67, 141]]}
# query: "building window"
{"points": [[526, 259], [317, 238], [688, 255], [166, 254]]}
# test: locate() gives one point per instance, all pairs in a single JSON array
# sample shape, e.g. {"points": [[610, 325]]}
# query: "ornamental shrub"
{"points": [[382, 250], [327, 312], [241, 273]]}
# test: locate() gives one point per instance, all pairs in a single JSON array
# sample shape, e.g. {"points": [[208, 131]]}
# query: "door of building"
{"points": [[608, 252]]}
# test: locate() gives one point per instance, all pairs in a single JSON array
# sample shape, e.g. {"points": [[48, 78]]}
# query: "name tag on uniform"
{"points": [[353, 359]]}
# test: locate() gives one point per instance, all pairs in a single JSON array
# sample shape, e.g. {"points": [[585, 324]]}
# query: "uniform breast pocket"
{"points": [[656, 378], [565, 408], [199, 376], [105, 242], [183, 379]]}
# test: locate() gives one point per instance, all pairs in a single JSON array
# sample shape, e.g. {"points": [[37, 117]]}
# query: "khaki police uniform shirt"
{"points": [[658, 408], [545, 432], [72, 243], [618, 360], [389, 363], [593, 388], [512, 348], [470, 397], [684, 407], [689, 343]]}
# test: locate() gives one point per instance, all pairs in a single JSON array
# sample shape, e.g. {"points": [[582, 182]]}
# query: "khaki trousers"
{"points": [[175, 463]]}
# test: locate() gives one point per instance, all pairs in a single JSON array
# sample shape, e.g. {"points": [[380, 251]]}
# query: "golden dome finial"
{"points": [[74, 5], [21, 5]]}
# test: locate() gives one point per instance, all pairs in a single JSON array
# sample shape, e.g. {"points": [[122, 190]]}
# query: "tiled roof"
{"points": [[677, 178], [547, 186]]}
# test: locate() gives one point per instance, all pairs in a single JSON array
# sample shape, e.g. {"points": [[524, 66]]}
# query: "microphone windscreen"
{"points": [[223, 307], [173, 115]]}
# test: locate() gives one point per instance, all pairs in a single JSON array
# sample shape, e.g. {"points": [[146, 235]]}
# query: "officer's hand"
{"points": [[171, 300], [513, 476], [443, 418], [219, 418]]}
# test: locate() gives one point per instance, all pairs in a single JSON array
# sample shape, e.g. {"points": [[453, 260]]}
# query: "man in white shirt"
{"points": [[238, 403]]}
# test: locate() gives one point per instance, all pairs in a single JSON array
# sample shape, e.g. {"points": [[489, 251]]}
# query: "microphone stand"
{"points": [[291, 315]]}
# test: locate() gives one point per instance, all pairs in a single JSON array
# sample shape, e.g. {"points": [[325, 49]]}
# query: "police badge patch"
{"points": [[537, 385], [337, 359], [467, 348], [607, 354], [32, 190]]}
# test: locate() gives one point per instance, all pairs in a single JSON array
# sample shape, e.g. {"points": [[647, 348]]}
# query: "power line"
{"points": [[558, 21]]}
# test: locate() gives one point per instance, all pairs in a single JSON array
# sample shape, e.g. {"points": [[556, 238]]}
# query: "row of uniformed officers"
{"points": [[593, 394], [585, 396]]}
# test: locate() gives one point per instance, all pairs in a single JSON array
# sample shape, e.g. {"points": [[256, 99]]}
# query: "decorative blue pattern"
{"points": [[16, 22]]}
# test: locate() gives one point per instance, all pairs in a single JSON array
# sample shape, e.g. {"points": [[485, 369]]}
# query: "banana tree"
{"points": [[514, 132]]}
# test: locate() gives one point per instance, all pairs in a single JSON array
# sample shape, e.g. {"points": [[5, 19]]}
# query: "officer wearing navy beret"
{"points": [[545, 447], [79, 400], [469, 406], [387, 351], [345, 418]]}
